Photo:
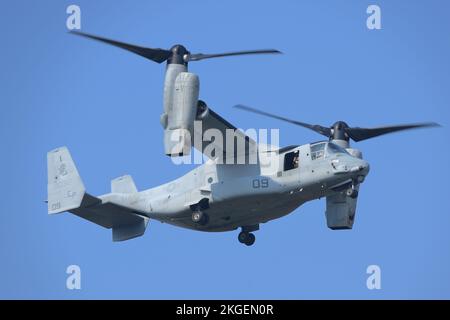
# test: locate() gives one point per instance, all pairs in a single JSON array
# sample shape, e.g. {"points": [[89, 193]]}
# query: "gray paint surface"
{"points": [[238, 195], [231, 195]]}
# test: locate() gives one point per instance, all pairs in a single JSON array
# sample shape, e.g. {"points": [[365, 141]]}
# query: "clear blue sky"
{"points": [[104, 104]]}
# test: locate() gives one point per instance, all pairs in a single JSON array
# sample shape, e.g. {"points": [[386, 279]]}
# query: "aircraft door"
{"points": [[291, 161]]}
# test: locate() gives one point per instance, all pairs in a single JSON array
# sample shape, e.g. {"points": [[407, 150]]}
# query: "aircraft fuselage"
{"points": [[236, 196]]}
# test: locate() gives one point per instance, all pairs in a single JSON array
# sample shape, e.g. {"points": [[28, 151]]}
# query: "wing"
{"points": [[216, 138]]}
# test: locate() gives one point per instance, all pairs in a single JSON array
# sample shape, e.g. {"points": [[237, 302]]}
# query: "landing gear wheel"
{"points": [[352, 193], [246, 238], [242, 237], [251, 239], [199, 217]]}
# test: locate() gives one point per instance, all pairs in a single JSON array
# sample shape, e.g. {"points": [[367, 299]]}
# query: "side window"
{"points": [[291, 160], [317, 151]]}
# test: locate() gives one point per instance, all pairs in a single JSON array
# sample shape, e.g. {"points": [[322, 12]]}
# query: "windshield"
{"points": [[333, 148], [318, 150]]}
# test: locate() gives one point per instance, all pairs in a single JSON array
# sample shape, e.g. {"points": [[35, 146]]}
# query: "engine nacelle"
{"points": [[340, 212], [341, 209], [179, 119], [202, 110]]}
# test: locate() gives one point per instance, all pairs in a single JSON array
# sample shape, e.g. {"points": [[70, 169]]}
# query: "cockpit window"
{"points": [[317, 150], [334, 148], [291, 160]]}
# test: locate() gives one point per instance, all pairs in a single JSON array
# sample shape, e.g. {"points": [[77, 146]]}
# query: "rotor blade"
{"points": [[201, 56], [157, 55], [360, 134], [317, 128]]}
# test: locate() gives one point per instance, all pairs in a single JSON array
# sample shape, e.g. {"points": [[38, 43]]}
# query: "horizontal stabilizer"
{"points": [[124, 222], [127, 232]]}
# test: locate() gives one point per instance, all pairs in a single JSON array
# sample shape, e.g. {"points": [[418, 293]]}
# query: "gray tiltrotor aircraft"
{"points": [[229, 191]]}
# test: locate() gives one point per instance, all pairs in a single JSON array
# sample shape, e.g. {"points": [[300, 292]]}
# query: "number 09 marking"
{"points": [[260, 183]]}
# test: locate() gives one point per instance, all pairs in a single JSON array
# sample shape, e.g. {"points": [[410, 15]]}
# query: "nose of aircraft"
{"points": [[361, 167]]}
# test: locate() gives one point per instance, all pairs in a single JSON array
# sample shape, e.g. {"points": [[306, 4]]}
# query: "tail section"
{"points": [[114, 211], [123, 184], [65, 188]]}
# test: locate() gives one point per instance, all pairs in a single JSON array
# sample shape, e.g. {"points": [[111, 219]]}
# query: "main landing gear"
{"points": [[246, 237], [200, 217]]}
